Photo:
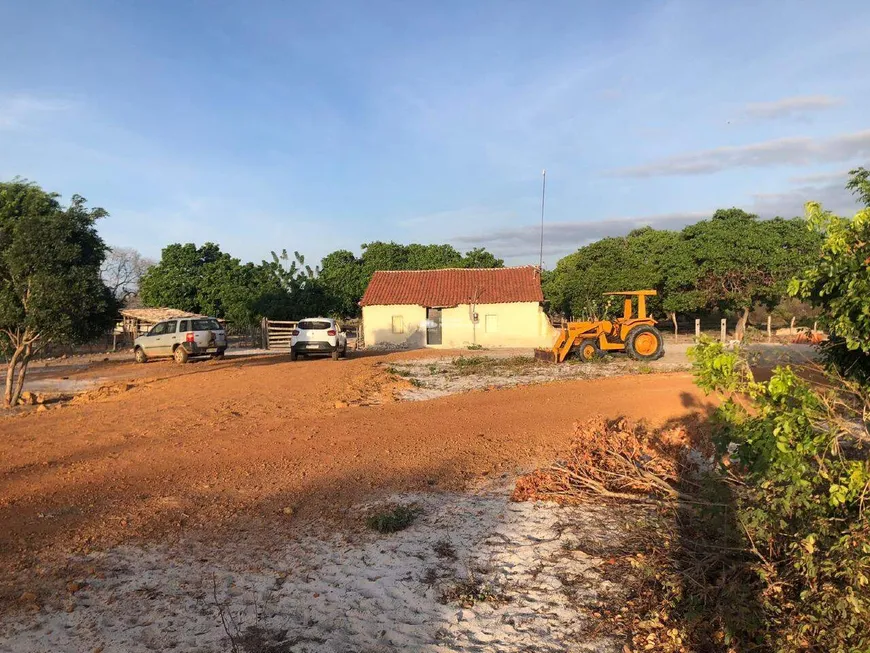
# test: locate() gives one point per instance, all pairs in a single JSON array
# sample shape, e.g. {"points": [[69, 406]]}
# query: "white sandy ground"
{"points": [[356, 591]]}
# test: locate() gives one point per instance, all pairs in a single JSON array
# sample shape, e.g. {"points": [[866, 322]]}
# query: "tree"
{"points": [[734, 261], [208, 281], [480, 258], [632, 262], [122, 270], [50, 285], [859, 184], [838, 283]]}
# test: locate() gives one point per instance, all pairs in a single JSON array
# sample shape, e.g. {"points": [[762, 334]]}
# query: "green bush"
{"points": [[392, 520], [797, 456]]}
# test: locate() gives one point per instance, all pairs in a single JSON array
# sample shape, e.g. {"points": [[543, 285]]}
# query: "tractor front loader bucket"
{"points": [[545, 355]]}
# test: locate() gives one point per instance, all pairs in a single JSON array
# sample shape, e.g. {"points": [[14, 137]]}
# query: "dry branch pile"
{"points": [[616, 460]]}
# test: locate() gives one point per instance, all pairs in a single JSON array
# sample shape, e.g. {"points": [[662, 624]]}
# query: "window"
{"points": [[398, 324], [170, 327], [205, 325], [159, 329], [182, 326], [314, 325], [491, 324]]}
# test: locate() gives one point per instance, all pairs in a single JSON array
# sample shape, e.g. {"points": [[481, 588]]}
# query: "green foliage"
{"points": [[634, 262], [799, 456], [208, 281], [735, 261], [392, 520], [50, 285], [731, 263], [859, 184], [839, 280]]}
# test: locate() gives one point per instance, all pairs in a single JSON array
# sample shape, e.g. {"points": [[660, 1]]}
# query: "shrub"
{"points": [[392, 520], [798, 458]]}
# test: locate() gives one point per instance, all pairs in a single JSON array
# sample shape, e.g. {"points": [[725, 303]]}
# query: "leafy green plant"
{"points": [[798, 458], [839, 283], [393, 519], [51, 291]]}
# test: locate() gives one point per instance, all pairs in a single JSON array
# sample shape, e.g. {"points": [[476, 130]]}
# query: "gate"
{"points": [[277, 334]]}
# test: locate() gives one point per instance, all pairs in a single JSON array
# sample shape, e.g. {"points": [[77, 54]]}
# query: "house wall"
{"points": [[377, 325], [520, 324]]}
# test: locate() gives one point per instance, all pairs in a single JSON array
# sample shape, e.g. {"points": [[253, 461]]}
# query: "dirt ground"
{"points": [[219, 447]]}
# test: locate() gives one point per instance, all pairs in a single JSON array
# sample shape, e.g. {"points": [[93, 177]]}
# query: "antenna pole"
{"points": [[543, 195]]}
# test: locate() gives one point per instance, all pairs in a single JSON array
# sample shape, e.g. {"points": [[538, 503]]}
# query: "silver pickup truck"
{"points": [[181, 339]]}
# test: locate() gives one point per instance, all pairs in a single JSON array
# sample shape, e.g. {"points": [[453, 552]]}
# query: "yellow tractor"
{"points": [[636, 335]]}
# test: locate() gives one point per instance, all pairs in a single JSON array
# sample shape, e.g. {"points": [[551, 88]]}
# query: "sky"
{"points": [[316, 126]]}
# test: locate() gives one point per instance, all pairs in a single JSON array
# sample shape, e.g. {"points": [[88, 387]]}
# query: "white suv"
{"points": [[182, 338], [318, 335]]}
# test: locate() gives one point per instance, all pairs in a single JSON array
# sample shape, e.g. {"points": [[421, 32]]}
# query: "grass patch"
{"points": [[475, 347], [471, 590], [468, 365], [398, 372], [444, 550], [392, 520]]}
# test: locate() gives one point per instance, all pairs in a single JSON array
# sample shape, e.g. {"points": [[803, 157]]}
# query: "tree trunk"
{"points": [[22, 372], [10, 375], [674, 320], [740, 332]]}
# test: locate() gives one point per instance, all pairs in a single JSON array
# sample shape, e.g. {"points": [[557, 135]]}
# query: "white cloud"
{"points": [[17, 110], [782, 151], [791, 106]]}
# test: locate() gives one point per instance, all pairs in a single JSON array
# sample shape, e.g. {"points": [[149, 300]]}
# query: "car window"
{"points": [[171, 327], [314, 325], [205, 324], [158, 330], [182, 326]]}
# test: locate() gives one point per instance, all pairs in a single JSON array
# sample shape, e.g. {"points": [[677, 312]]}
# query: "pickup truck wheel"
{"points": [[140, 355], [180, 355]]}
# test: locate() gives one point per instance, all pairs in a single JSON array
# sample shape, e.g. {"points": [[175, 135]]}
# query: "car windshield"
{"points": [[314, 325], [205, 325]]}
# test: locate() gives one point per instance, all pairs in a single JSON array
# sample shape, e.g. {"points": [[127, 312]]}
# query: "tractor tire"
{"points": [[588, 351], [644, 343], [180, 355]]}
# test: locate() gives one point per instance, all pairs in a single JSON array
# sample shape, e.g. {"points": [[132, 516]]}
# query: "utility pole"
{"points": [[543, 195]]}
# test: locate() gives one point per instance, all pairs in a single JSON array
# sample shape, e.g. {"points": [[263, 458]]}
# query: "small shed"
{"points": [[458, 307], [136, 321]]}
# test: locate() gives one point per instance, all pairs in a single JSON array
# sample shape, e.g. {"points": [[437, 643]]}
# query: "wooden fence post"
{"points": [[724, 330], [697, 328], [769, 330], [264, 327]]}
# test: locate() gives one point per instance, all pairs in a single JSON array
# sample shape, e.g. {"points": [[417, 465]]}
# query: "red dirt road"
{"points": [[266, 445]]}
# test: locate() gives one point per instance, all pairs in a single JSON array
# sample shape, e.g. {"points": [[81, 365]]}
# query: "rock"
{"points": [[41, 408], [27, 597], [73, 586], [288, 511], [69, 607], [40, 399], [341, 404]]}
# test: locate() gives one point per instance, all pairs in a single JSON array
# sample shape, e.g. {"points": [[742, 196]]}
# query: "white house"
{"points": [[457, 307]]}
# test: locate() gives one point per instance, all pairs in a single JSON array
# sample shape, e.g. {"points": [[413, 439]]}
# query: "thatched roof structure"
{"points": [[153, 315]]}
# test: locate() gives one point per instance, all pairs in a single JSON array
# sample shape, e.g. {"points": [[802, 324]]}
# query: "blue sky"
{"points": [[318, 126]]}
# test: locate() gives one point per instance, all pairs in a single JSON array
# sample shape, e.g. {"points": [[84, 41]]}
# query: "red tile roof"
{"points": [[454, 286]]}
